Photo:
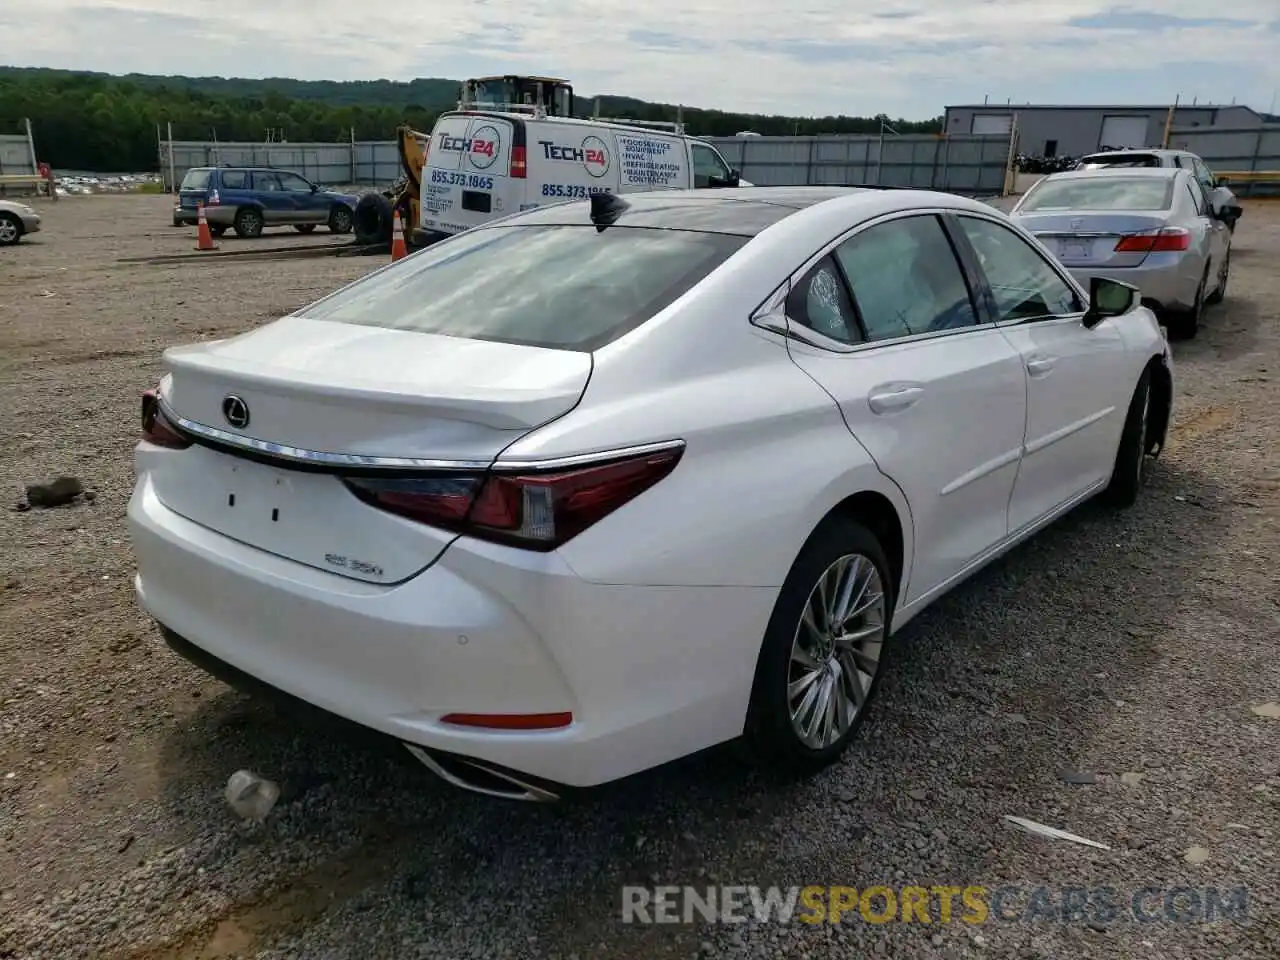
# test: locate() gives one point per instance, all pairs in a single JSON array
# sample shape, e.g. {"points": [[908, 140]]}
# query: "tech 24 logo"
{"points": [[593, 154], [481, 147]]}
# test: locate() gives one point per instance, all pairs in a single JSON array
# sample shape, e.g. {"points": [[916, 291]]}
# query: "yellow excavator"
{"points": [[509, 93]]}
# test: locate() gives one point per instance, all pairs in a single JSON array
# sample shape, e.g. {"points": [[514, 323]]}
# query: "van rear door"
{"points": [[468, 172]]}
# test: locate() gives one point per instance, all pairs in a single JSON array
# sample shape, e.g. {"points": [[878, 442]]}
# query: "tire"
{"points": [[1185, 324], [373, 219], [217, 231], [10, 229], [248, 223], [305, 227], [1221, 293], [1133, 464], [341, 220], [792, 652]]}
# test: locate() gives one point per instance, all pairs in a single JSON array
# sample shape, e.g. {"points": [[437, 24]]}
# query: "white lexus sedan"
{"points": [[602, 484]]}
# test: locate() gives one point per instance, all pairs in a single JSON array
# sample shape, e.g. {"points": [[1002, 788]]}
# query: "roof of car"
{"points": [[1150, 151], [742, 211]]}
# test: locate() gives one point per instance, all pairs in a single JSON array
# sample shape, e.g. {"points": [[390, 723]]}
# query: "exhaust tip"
{"points": [[478, 777]]}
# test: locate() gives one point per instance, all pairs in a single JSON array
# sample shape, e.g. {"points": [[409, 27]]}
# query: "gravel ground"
{"points": [[1137, 644]]}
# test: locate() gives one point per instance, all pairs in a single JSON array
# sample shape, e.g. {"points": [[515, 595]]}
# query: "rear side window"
{"points": [[195, 180], [235, 179], [562, 287], [1100, 193]]}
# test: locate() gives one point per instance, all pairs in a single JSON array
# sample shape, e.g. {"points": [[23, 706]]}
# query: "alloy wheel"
{"points": [[835, 654]]}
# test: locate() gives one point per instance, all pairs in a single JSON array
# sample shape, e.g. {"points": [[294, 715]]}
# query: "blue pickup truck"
{"points": [[247, 199]]}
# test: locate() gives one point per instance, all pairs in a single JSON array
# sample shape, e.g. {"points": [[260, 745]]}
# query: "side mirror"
{"points": [[1109, 298], [1222, 181], [315, 188]]}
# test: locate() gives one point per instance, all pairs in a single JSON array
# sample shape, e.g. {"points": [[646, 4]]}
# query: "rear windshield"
{"points": [[1101, 193], [564, 287], [195, 180], [1120, 160]]}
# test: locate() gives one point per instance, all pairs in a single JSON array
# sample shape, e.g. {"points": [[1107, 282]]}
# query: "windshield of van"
{"points": [[195, 180], [562, 287]]}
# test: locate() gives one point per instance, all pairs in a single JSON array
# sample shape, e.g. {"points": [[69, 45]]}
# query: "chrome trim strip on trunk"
{"points": [[352, 461]]}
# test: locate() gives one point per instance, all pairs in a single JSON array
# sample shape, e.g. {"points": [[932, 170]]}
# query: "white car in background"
{"points": [[16, 220], [600, 485], [1215, 188]]}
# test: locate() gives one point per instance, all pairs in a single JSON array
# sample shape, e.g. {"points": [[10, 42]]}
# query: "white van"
{"points": [[483, 164]]}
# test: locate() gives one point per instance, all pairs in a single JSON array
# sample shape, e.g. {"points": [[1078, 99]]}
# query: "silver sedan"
{"points": [[1153, 228], [15, 220]]}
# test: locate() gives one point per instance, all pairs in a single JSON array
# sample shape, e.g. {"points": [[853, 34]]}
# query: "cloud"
{"points": [[909, 58]]}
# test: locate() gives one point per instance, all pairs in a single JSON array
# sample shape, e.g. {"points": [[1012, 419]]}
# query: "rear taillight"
{"points": [[519, 165], [1168, 240], [536, 510], [213, 200], [155, 429]]}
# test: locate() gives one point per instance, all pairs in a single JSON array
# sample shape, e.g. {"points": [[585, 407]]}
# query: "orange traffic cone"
{"points": [[204, 238], [397, 238]]}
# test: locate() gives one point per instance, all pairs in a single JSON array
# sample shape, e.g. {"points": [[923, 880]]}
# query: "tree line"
{"points": [[94, 121]]}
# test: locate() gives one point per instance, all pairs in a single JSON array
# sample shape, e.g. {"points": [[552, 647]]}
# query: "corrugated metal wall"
{"points": [[962, 164], [965, 164], [15, 154], [1235, 150]]}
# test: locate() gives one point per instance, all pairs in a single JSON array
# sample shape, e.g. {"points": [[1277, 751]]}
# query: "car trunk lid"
{"points": [[283, 412], [1090, 239]]}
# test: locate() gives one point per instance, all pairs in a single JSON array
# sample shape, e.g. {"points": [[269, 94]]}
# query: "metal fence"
{"points": [[965, 164], [961, 164], [1236, 152], [15, 154]]}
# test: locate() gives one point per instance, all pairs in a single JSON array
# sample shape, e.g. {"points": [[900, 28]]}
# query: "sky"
{"points": [[908, 58]]}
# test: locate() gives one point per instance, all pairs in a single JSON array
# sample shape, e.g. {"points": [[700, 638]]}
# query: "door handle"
{"points": [[893, 398], [1039, 366]]}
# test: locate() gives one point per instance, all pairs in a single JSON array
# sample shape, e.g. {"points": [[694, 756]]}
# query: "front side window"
{"points": [[561, 287], [906, 279], [707, 164], [1023, 283]]}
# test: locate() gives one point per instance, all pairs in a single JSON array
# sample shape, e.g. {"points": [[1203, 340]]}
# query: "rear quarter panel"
{"points": [[768, 453]]}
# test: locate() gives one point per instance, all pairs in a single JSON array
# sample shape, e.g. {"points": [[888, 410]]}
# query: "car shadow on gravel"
{"points": [[1227, 332], [995, 691]]}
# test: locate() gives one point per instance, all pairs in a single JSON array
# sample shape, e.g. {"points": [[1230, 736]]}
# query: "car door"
{"points": [[936, 397], [306, 204], [1214, 232], [1077, 381], [276, 206], [709, 168]]}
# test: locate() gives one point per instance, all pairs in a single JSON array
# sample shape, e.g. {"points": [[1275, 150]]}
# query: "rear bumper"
{"points": [[649, 673], [1164, 279]]}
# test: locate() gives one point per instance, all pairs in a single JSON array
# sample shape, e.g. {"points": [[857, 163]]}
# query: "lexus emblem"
{"points": [[235, 411]]}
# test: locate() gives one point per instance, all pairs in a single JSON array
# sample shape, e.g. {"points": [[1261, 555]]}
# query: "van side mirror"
{"points": [[1109, 298]]}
